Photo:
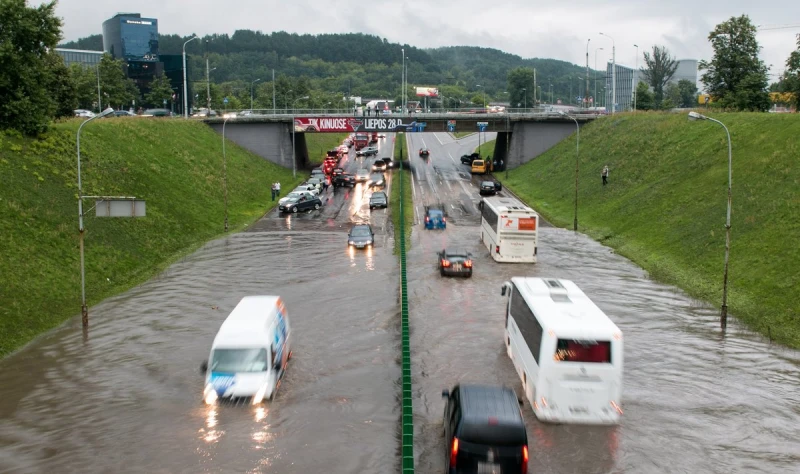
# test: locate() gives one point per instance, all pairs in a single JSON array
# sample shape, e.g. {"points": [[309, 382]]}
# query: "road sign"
{"points": [[482, 126], [451, 126], [225, 100], [120, 208], [165, 101]]}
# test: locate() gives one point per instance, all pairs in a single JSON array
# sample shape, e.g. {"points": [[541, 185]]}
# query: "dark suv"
{"points": [[303, 203], [484, 430]]}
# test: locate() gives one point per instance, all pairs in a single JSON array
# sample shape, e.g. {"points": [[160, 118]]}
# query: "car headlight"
{"points": [[350, 242], [210, 395], [259, 396], [369, 242]]}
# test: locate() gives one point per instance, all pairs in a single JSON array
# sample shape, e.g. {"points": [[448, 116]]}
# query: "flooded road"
{"points": [[129, 398], [693, 401]]}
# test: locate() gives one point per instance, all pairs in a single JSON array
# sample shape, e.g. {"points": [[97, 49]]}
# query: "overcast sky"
{"points": [[528, 28]]}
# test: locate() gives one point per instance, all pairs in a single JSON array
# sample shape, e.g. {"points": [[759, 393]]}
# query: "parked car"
{"points": [[295, 195], [157, 113], [309, 188], [316, 183], [456, 262], [379, 165], [362, 174], [489, 188], [378, 199], [204, 112], [377, 180], [318, 173], [435, 218], [121, 113], [424, 152], [367, 151], [344, 179], [480, 167], [361, 236], [468, 159], [484, 430], [83, 113], [302, 203]]}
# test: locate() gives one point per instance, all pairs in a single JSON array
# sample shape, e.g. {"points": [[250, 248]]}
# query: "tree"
{"points": [[736, 78], [659, 69], [61, 85], [118, 91], [160, 91], [518, 79], [85, 80], [27, 35], [688, 93], [791, 77], [644, 98], [672, 96]]}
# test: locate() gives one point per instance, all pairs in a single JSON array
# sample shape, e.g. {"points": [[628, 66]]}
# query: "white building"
{"points": [[625, 87]]}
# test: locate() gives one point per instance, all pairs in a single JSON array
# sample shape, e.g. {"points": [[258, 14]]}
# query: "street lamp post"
{"points": [[208, 88], [403, 83], [551, 93], [251, 93], [84, 308], [724, 310], [484, 95], [186, 99], [613, 73], [525, 100], [635, 77], [577, 163], [586, 96], [225, 173], [595, 75]]}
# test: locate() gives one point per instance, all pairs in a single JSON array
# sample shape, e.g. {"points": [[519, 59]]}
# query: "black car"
{"points": [[377, 180], [455, 262], [484, 430], [378, 199], [490, 188], [343, 179], [360, 236], [388, 161], [304, 203], [468, 159], [424, 152]]}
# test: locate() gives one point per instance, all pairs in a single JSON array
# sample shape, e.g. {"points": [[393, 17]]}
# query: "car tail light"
{"points": [[444, 219], [427, 219], [445, 263], [468, 264], [524, 458], [454, 453]]}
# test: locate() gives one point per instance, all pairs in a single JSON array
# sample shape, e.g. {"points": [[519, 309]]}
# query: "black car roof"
{"points": [[491, 415], [456, 251]]}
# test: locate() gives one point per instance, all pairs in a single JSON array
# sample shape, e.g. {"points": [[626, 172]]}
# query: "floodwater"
{"points": [[129, 398], [693, 401]]}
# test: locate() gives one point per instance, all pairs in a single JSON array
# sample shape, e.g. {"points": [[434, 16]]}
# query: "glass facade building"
{"points": [[80, 56], [130, 37], [625, 88]]}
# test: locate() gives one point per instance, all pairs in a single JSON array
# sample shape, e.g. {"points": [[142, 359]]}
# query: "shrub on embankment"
{"points": [[665, 205], [175, 165]]}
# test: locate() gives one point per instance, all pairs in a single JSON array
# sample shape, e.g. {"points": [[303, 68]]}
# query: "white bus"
{"points": [[567, 352], [509, 229]]}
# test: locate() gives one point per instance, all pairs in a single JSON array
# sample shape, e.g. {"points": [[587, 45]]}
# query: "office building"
{"points": [[625, 87], [687, 69], [80, 56], [130, 37]]}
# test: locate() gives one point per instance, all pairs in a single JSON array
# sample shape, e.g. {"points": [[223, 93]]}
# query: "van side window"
{"points": [[528, 325]]}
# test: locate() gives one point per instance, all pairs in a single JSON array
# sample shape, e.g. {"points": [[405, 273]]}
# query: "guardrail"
{"points": [[408, 411]]}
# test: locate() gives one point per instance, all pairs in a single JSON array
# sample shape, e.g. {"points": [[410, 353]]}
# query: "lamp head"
{"points": [[107, 111], [695, 116]]}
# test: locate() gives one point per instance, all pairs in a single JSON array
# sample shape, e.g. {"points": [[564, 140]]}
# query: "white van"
{"points": [[250, 352], [567, 352]]}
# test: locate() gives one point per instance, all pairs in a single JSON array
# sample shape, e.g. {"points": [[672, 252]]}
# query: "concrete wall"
{"points": [[271, 141], [531, 139]]}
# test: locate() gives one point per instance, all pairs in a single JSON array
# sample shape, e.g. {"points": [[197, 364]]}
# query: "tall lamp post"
{"points": [[724, 310], [403, 82], [595, 74], [525, 98], [294, 157], [613, 73], [186, 99], [251, 93], [484, 96], [208, 87], [635, 77], [577, 163], [586, 97], [84, 308], [225, 172]]}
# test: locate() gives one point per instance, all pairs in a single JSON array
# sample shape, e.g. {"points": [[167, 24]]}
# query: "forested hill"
{"points": [[358, 64]]}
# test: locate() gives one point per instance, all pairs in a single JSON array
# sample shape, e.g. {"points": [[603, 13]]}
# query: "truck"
{"points": [[361, 140]]}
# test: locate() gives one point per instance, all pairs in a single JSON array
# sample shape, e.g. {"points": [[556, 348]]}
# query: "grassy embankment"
{"points": [[319, 143], [462, 134], [665, 205], [394, 198], [175, 165]]}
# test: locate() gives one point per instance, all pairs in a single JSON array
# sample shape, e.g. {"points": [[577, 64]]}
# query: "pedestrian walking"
{"points": [[274, 191], [278, 188], [325, 185], [604, 174]]}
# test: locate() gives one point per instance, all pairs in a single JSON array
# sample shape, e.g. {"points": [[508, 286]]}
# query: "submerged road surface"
{"points": [[129, 398], [693, 401]]}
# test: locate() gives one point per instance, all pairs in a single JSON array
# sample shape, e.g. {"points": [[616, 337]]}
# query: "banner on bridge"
{"points": [[356, 124]]}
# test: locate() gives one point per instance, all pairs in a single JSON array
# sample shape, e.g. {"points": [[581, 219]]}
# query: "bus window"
{"points": [[568, 350]]}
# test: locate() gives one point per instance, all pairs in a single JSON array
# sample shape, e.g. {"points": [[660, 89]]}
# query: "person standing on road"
{"points": [[604, 174], [278, 188], [273, 189], [325, 185]]}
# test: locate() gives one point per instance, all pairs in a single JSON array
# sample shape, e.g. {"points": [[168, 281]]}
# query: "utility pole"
{"points": [[586, 97], [534, 88], [635, 77], [208, 84], [273, 92]]}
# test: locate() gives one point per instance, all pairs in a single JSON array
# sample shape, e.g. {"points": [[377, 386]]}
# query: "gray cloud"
{"points": [[522, 27]]}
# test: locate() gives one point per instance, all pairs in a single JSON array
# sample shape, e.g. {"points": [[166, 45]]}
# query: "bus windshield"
{"points": [[570, 350]]}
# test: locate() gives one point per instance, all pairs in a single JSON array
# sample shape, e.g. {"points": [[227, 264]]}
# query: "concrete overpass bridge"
{"points": [[521, 137]]}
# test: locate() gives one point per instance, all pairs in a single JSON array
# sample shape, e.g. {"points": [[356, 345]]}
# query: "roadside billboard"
{"points": [[427, 92]]}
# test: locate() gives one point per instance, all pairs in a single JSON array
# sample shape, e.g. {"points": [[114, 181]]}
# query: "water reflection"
{"points": [[210, 434]]}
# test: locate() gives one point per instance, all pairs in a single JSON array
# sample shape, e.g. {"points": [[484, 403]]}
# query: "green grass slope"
{"points": [[175, 165], [665, 205]]}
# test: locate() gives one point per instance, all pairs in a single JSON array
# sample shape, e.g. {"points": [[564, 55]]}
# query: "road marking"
{"points": [[436, 136], [451, 158]]}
